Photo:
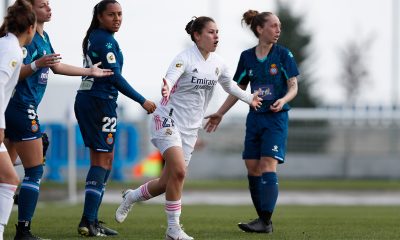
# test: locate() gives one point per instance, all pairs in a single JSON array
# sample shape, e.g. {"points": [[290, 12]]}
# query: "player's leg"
{"points": [[31, 154], [8, 184], [101, 162], [176, 167]]}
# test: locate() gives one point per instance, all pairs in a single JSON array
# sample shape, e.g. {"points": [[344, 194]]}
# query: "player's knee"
{"points": [[179, 174], [34, 172]]}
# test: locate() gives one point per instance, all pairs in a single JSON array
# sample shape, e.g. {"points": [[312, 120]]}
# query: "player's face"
{"points": [[271, 31], [42, 10], [31, 33], [111, 18], [208, 39]]}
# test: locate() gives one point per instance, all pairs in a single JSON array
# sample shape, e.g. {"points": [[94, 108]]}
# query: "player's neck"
{"points": [[40, 29], [262, 50]]}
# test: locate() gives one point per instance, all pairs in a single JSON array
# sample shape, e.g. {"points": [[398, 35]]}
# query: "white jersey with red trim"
{"points": [[10, 66], [192, 80]]}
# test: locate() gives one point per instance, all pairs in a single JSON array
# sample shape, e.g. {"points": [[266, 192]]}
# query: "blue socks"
{"points": [[102, 193], [264, 193], [269, 193], [93, 192], [29, 193], [254, 187]]}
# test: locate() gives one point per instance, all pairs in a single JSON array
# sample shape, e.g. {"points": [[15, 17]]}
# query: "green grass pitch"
{"points": [[206, 222]]}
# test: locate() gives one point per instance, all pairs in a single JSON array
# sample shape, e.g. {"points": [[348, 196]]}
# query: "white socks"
{"points": [[6, 202], [173, 210], [139, 194]]}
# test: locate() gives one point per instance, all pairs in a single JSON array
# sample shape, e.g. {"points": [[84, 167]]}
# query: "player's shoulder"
{"points": [[100, 36], [248, 53], [282, 50], [9, 46]]}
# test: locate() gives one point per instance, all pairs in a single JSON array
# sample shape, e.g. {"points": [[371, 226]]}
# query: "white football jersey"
{"points": [[191, 81], [10, 65]]}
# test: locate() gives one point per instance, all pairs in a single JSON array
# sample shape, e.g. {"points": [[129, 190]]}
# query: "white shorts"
{"points": [[165, 135], [3, 148]]}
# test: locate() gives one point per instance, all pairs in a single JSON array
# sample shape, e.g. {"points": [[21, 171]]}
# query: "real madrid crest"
{"points": [[110, 139], [34, 126], [168, 131], [274, 69], [178, 65]]}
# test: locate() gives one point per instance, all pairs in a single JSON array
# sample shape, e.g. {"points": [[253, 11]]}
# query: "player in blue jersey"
{"points": [[23, 133], [271, 68], [95, 109], [18, 29]]}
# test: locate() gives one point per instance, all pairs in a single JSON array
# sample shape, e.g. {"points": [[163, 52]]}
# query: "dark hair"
{"points": [[197, 24], [20, 16], [254, 19], [97, 10]]}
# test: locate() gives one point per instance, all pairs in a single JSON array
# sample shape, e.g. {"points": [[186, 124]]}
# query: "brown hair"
{"points": [[197, 24], [254, 19], [20, 16]]}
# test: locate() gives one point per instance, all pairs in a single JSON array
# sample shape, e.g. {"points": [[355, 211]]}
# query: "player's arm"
{"points": [[69, 70], [4, 78], [125, 88], [215, 118], [291, 93]]}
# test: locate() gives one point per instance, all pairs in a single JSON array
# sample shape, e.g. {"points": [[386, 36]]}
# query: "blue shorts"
{"points": [[266, 135], [22, 123], [97, 120]]}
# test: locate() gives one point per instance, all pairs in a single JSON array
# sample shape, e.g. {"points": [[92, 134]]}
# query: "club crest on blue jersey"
{"points": [[34, 126], [110, 139], [274, 69]]}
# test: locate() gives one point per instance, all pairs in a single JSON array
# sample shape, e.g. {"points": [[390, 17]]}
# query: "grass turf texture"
{"points": [[242, 184], [205, 222]]}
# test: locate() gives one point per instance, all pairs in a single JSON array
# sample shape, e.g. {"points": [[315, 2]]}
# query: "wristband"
{"points": [[33, 66]]}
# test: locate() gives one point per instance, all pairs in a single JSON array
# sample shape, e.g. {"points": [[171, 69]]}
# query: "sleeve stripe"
{"points": [[241, 76]]}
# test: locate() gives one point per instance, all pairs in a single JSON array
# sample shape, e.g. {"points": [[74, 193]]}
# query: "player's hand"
{"points": [[257, 101], [149, 106], [213, 122], [165, 89], [277, 105], [95, 71], [49, 60]]}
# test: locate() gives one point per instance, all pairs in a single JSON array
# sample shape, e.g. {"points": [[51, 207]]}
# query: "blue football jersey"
{"points": [[102, 47], [30, 91], [269, 74]]}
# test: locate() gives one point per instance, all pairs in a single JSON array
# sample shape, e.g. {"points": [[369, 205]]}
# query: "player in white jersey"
{"points": [[18, 29], [187, 89]]}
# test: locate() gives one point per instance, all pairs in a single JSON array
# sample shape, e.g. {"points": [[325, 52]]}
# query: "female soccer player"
{"points": [[23, 133], [187, 89], [271, 68], [18, 29], [95, 109]]}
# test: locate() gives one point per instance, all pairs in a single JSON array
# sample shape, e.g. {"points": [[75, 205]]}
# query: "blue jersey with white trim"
{"points": [[102, 47], [30, 91], [269, 74]]}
